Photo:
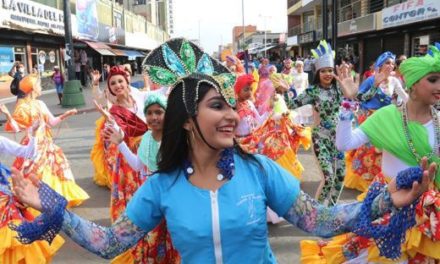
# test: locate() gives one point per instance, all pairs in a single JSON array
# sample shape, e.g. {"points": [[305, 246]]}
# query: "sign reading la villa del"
{"points": [[30, 9]]}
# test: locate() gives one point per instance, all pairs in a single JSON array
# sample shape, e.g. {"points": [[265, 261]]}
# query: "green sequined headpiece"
{"points": [[181, 61]]}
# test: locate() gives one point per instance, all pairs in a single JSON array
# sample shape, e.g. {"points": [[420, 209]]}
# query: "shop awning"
{"points": [[101, 48], [267, 48], [134, 53], [118, 52]]}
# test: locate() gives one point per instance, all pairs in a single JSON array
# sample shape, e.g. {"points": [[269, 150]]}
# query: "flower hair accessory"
{"points": [[181, 61]]}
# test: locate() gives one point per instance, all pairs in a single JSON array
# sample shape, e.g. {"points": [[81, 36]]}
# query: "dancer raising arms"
{"points": [[157, 244], [51, 165], [207, 189], [405, 134], [325, 95]]}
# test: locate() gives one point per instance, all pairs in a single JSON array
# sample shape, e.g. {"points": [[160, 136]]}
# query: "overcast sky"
{"points": [[218, 17]]}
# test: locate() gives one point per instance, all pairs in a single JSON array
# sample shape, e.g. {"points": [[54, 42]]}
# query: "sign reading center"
{"points": [[410, 11]]}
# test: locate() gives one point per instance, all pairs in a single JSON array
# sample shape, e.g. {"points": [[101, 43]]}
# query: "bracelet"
{"points": [[389, 237], [48, 224]]}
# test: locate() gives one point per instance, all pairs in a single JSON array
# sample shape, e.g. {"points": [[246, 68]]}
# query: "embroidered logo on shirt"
{"points": [[249, 200]]}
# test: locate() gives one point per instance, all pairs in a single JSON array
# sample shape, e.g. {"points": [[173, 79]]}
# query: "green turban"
{"points": [[155, 98], [415, 68]]}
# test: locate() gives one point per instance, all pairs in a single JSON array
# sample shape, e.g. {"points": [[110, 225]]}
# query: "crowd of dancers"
{"points": [[200, 164]]}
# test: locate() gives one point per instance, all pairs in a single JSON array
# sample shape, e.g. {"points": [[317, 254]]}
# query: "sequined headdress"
{"points": [[181, 61], [324, 55]]}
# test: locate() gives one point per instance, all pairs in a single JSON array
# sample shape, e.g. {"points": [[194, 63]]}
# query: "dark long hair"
{"points": [[174, 147], [317, 81]]}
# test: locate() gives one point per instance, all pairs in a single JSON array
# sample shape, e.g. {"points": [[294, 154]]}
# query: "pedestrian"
{"points": [[50, 165], [303, 114], [369, 72], [308, 67], [212, 195], [17, 72], [58, 80]]}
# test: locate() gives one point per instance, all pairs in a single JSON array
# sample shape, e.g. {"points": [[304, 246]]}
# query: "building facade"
{"points": [[366, 28], [104, 32]]}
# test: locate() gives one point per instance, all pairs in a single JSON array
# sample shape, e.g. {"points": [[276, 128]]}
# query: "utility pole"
{"points": [[68, 40], [334, 24], [324, 13], [242, 23], [72, 94]]}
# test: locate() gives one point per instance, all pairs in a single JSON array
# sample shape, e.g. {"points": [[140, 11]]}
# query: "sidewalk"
{"points": [[51, 99]]}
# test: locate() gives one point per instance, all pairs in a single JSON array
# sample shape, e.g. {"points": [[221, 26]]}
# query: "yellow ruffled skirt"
{"points": [[13, 252], [290, 162], [417, 248], [102, 175]]}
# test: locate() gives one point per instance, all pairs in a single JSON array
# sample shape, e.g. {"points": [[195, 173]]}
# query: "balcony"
{"points": [[293, 31], [308, 26], [291, 3], [358, 8]]}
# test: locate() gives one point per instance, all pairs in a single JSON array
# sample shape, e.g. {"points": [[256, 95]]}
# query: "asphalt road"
{"points": [[76, 137]]}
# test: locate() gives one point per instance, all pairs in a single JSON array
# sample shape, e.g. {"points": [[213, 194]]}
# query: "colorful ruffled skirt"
{"points": [[422, 242], [102, 174], [11, 212], [52, 167], [362, 164], [279, 140]]}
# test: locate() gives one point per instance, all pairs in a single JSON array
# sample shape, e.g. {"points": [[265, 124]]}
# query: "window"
{"points": [[394, 2]]}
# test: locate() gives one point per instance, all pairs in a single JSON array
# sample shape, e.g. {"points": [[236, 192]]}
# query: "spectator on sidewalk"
{"points": [[17, 71], [58, 80]]}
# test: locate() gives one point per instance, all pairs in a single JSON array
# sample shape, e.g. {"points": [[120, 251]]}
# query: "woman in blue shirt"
{"points": [[212, 194]]}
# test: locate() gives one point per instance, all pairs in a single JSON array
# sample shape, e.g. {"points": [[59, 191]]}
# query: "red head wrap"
{"points": [[116, 71], [243, 81]]}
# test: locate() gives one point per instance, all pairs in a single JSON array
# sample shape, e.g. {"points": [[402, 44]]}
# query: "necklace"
{"points": [[152, 150], [435, 118], [225, 164]]}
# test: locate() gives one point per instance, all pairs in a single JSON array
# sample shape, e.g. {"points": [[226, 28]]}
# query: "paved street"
{"points": [[76, 137]]}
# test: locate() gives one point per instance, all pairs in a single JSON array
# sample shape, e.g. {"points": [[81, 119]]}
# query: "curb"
{"points": [[80, 111], [14, 98]]}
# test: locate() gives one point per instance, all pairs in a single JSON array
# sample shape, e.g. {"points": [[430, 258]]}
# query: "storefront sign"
{"points": [[409, 12], [358, 25], [307, 37], [35, 17], [6, 59]]}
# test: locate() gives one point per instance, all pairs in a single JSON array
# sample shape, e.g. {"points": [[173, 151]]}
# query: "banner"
{"points": [[410, 11], [31, 16], [88, 26], [87, 19], [6, 59]]}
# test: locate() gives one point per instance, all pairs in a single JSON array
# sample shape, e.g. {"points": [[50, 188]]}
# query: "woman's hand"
{"points": [[379, 77], [102, 110], [26, 189], [113, 135], [69, 113], [404, 197], [348, 86], [4, 110]]}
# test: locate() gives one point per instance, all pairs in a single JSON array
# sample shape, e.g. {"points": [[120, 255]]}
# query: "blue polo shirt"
{"points": [[225, 226]]}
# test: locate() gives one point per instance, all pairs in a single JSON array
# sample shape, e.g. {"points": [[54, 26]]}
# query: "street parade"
{"points": [[141, 132]]}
